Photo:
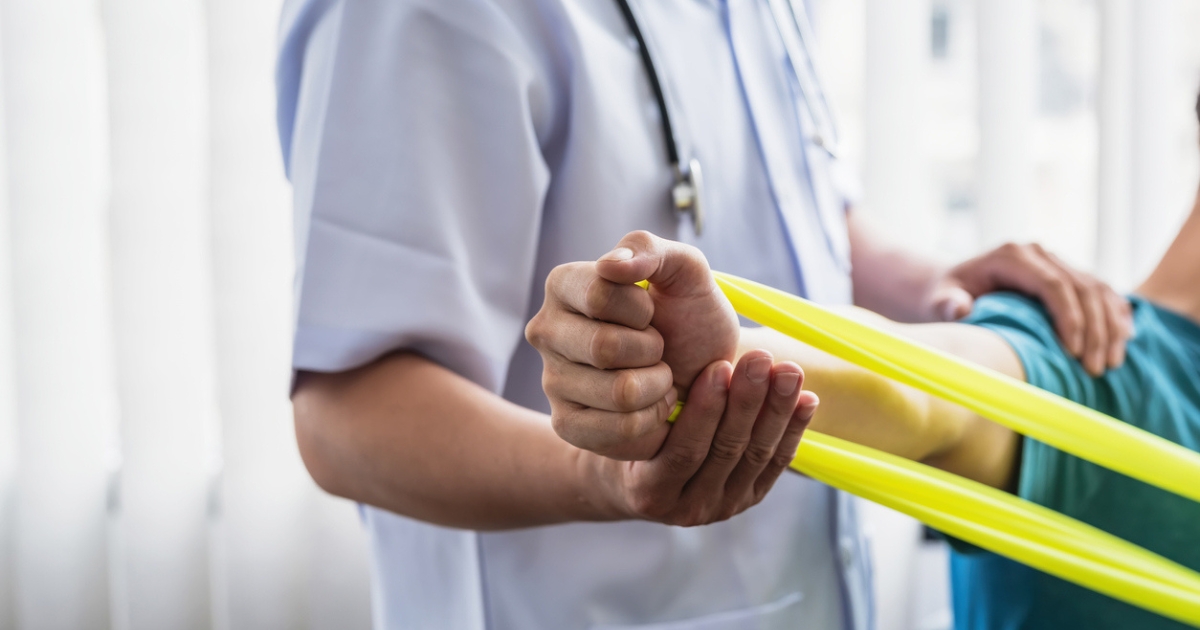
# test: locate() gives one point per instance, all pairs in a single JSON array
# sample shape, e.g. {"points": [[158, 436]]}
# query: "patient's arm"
{"points": [[873, 410]]}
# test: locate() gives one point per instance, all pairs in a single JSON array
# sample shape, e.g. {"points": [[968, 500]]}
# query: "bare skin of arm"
{"points": [[873, 410], [356, 443], [408, 435], [1175, 282]]}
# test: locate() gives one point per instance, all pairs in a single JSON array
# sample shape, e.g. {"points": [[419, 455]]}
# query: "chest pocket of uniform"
{"points": [[780, 613]]}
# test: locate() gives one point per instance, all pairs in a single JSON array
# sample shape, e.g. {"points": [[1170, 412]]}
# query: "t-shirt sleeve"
{"points": [[410, 131], [1045, 472], [1026, 326]]}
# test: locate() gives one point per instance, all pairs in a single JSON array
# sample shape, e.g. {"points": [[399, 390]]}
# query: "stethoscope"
{"points": [[688, 186]]}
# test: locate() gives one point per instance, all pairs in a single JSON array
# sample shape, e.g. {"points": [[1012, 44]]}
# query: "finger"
{"points": [[747, 392], [953, 303], [598, 344], [691, 436], [1096, 326], [786, 380], [806, 408], [579, 288], [1039, 277], [632, 436], [673, 269], [610, 390], [1120, 317]]}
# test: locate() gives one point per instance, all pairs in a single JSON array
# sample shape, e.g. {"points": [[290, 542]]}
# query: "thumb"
{"points": [[675, 269], [952, 303]]}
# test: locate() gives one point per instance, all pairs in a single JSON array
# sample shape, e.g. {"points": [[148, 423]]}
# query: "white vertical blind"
{"points": [[8, 393], [163, 306], [147, 224], [274, 574], [1115, 160], [56, 126], [1156, 211], [897, 195], [1008, 73]]}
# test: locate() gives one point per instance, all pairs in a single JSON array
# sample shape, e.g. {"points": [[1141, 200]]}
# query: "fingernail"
{"points": [[618, 254], [786, 383], [759, 369], [722, 376]]}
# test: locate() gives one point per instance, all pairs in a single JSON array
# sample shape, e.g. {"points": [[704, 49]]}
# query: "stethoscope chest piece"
{"points": [[687, 193]]}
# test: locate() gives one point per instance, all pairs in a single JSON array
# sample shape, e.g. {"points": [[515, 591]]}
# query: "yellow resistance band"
{"points": [[981, 515]]}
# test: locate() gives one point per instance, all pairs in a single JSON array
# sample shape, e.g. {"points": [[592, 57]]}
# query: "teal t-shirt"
{"points": [[1157, 389]]}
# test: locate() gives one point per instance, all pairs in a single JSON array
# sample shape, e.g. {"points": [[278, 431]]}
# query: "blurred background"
{"points": [[148, 473]]}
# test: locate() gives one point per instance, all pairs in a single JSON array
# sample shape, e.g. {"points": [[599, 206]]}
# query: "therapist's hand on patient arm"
{"points": [[1093, 321]]}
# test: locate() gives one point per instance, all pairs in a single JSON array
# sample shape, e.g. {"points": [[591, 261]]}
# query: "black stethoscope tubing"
{"points": [[655, 84], [687, 190]]}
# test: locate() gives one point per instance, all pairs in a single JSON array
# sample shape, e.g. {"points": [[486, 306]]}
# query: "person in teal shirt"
{"points": [[1156, 388]]}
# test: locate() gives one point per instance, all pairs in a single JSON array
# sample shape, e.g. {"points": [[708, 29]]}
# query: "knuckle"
{"points": [[758, 454], [727, 511], [606, 348], [554, 279], [782, 458], [1009, 249], [1058, 283], [678, 461], [551, 380], [726, 450], [564, 421], [657, 345], [640, 237], [630, 427], [534, 332], [693, 516], [627, 390], [597, 297]]}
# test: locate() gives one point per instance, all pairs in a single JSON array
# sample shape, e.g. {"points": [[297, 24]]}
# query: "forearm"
{"points": [[889, 280], [873, 410], [408, 435], [857, 404]]}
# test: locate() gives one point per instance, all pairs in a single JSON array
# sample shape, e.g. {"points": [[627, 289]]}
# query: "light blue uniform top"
{"points": [[445, 155]]}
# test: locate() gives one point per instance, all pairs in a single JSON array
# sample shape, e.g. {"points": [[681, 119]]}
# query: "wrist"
{"points": [[599, 493]]}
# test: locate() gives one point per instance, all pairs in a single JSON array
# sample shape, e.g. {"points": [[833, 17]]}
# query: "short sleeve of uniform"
{"points": [[1046, 473], [410, 132]]}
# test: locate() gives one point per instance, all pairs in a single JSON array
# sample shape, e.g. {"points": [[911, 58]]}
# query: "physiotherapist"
{"points": [[445, 156]]}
